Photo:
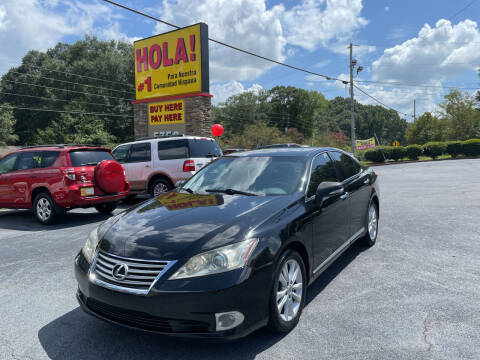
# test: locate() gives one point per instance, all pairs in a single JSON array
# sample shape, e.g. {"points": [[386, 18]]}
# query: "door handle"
{"points": [[5, 178], [345, 196], [33, 176], [147, 166]]}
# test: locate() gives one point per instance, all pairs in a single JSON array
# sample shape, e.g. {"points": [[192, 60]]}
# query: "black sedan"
{"points": [[234, 248]]}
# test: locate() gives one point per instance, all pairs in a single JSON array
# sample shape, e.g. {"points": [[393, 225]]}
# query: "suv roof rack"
{"points": [[56, 145]]}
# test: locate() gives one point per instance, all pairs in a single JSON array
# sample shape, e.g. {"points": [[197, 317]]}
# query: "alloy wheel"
{"points": [[372, 222], [289, 290], [44, 209], [160, 189]]}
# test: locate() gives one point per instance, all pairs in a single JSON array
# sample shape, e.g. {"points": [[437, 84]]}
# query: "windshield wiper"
{"points": [[188, 190], [231, 192]]}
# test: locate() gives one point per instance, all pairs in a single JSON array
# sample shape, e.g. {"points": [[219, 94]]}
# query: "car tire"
{"points": [[45, 209], [285, 305], [106, 208], [371, 224], [159, 187]]}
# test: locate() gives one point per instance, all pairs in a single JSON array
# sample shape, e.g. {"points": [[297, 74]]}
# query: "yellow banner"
{"points": [[171, 63], [178, 201], [169, 112], [365, 144]]}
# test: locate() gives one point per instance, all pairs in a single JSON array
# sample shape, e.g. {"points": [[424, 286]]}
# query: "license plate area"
{"points": [[87, 191]]}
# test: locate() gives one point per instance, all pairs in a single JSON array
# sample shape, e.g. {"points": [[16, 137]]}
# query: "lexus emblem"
{"points": [[120, 271]]}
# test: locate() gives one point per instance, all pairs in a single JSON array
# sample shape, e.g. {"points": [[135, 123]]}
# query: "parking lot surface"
{"points": [[414, 295]]}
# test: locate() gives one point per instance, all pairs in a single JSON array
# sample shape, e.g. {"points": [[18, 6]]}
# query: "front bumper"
{"points": [[186, 311]]}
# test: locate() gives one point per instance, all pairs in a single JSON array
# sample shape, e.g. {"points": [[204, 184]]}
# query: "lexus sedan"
{"points": [[234, 248]]}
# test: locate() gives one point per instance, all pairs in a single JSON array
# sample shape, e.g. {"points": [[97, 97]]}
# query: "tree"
{"points": [[257, 135], [427, 128], [7, 123]]}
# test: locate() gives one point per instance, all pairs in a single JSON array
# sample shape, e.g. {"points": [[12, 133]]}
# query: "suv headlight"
{"points": [[88, 249], [223, 259]]}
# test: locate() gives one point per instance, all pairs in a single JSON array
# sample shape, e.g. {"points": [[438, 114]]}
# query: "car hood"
{"points": [[178, 225]]}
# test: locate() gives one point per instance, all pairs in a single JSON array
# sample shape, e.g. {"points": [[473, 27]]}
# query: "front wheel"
{"points": [[106, 208], [289, 291], [370, 237]]}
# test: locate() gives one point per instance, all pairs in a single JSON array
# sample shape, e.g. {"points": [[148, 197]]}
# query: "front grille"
{"points": [[145, 321], [140, 276]]}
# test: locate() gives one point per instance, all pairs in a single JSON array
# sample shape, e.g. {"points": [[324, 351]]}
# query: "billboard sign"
{"points": [[168, 112], [365, 144], [172, 63]]}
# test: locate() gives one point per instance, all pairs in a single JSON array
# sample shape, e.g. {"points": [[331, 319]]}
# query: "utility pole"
{"points": [[414, 111], [352, 105]]}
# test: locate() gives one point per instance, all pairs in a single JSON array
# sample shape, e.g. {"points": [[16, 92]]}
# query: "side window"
{"points": [[121, 153], [30, 160], [174, 149], [322, 170], [346, 166], [49, 157], [140, 152], [7, 164], [204, 148]]}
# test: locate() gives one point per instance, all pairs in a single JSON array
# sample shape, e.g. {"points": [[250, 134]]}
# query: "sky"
{"points": [[423, 47]]}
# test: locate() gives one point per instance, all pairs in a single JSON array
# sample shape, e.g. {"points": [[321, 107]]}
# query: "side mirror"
{"points": [[180, 183], [327, 189]]}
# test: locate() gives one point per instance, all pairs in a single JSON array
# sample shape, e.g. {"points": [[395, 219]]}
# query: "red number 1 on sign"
{"points": [[148, 82]]}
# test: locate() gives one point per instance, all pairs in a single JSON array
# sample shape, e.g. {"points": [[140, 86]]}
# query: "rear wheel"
{"points": [[370, 237], [289, 290], [44, 208], [106, 208], [159, 187]]}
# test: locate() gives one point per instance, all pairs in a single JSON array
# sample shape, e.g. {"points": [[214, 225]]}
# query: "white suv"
{"points": [[155, 165]]}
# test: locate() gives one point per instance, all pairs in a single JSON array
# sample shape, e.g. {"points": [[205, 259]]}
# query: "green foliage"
{"points": [[471, 147], [395, 152], [413, 152], [336, 140], [374, 155], [434, 149], [41, 72], [257, 135], [427, 128], [454, 148], [7, 124]]}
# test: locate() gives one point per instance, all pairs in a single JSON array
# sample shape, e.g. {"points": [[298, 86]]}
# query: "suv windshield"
{"points": [[259, 175], [204, 148], [89, 157]]}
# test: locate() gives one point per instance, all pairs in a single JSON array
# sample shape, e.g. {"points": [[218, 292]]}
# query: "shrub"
{"points": [[434, 149], [454, 148], [413, 152], [374, 155], [396, 153], [471, 147]]}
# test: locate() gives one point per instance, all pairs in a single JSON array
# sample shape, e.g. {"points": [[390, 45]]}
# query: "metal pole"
{"points": [[414, 111], [352, 101]]}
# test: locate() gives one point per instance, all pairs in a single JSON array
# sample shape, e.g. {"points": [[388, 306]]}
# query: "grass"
{"points": [[421, 158]]}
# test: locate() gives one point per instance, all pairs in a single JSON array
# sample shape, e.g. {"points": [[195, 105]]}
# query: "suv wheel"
{"points": [[44, 208], [159, 187], [288, 294], [106, 208]]}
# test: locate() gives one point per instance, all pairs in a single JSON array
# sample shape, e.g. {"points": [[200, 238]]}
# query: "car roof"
{"points": [[188, 137], [287, 151], [60, 147]]}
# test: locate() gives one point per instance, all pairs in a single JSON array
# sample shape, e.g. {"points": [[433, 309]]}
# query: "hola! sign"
{"points": [[172, 63], [365, 144], [170, 112]]}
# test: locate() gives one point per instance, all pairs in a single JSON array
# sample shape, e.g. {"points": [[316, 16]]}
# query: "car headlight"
{"points": [[223, 259], [88, 249]]}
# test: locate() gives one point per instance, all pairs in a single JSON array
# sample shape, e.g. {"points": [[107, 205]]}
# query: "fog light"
{"points": [[228, 320]]}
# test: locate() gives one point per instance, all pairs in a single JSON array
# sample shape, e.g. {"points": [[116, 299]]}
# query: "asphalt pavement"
{"points": [[414, 295]]}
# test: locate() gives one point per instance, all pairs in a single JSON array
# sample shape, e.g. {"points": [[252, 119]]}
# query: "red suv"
{"points": [[53, 179]]}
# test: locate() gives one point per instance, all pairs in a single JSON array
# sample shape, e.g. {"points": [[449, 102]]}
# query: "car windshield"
{"points": [[89, 157], [253, 175]]}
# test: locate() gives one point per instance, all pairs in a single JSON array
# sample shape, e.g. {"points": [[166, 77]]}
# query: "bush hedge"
{"points": [[471, 147], [413, 152], [454, 148], [374, 155], [434, 149]]}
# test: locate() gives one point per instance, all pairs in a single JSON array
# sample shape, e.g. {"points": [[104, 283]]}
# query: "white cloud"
{"points": [[273, 32], [387, 8], [222, 91], [436, 54]]}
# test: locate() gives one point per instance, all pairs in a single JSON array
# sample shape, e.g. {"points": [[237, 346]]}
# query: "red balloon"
{"points": [[217, 130]]}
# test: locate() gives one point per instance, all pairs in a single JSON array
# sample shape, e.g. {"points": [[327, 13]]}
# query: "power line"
{"points": [[70, 82], [73, 91], [380, 102], [225, 44], [416, 85], [462, 10], [63, 111]]}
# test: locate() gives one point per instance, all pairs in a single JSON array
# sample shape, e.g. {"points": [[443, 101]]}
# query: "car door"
{"points": [[121, 154], [356, 183], [7, 168], [28, 171], [330, 222], [139, 165]]}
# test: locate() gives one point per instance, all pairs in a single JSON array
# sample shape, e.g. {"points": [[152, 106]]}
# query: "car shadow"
{"points": [[76, 335]]}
